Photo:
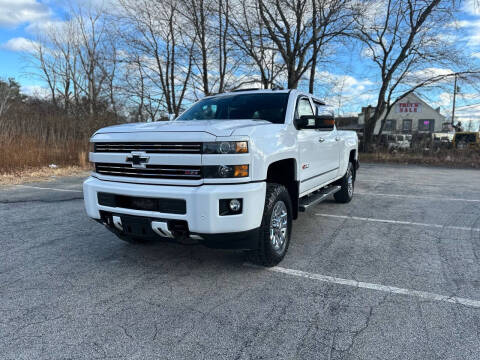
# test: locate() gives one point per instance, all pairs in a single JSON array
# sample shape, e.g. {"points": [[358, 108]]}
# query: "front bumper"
{"points": [[202, 203]]}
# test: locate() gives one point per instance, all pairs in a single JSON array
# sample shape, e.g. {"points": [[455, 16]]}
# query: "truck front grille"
{"points": [[148, 147], [150, 171]]}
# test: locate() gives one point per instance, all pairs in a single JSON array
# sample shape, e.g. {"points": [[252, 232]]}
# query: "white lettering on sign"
{"points": [[409, 108]]}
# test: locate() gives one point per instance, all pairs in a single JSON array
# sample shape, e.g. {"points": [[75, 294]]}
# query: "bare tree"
{"points": [[78, 61], [250, 37], [300, 34], [43, 59], [209, 30], [200, 12], [62, 43], [152, 30], [92, 53], [402, 38]]}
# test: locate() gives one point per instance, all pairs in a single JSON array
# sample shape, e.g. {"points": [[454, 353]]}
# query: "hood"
{"points": [[214, 127]]}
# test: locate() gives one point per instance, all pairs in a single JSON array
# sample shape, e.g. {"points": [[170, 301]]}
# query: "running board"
{"points": [[310, 200]]}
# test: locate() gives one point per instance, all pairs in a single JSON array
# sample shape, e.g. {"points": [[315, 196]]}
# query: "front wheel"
{"points": [[347, 182], [274, 236]]}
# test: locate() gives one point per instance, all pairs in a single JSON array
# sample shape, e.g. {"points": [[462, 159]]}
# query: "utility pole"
{"points": [[454, 98]]}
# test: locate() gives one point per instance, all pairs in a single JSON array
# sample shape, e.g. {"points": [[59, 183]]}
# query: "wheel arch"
{"points": [[353, 158], [284, 172]]}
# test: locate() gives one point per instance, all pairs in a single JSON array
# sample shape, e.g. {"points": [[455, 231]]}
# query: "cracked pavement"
{"points": [[70, 290]]}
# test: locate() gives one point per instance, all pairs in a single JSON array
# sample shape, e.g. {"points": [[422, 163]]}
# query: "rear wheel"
{"points": [[348, 184], [276, 227]]}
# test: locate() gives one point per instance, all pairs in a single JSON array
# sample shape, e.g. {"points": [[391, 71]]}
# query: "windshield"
{"points": [[263, 106]]}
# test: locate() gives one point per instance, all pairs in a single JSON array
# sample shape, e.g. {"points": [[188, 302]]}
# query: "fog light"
{"points": [[235, 205], [228, 207]]}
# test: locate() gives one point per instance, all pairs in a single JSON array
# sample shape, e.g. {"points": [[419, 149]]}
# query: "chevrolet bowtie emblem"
{"points": [[138, 159]]}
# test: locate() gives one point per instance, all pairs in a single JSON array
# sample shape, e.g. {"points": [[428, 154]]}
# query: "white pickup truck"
{"points": [[232, 171]]}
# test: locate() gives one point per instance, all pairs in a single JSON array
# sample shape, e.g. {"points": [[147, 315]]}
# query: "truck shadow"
{"points": [[172, 254]]}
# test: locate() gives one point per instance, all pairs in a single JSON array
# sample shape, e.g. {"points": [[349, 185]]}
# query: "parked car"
{"points": [[399, 141], [232, 171]]}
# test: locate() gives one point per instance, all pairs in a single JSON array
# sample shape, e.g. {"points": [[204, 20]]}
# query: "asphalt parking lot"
{"points": [[395, 274]]}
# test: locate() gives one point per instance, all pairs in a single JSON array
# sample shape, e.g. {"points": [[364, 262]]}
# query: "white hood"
{"points": [[213, 127]]}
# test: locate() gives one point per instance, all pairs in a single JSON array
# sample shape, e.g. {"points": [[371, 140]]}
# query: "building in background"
{"points": [[409, 115]]}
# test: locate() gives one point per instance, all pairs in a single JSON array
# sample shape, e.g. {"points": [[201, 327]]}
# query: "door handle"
{"points": [[321, 140], [337, 139]]}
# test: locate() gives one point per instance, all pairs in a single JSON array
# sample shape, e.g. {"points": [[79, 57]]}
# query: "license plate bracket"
{"points": [[137, 226]]}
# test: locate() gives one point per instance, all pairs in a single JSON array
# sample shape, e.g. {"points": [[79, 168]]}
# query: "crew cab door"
{"points": [[316, 149], [332, 146]]}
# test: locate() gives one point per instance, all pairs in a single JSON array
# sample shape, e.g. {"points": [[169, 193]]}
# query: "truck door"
{"points": [[315, 151], [332, 145]]}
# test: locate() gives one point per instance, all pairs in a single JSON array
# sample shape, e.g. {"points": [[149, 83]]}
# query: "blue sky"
{"points": [[24, 20]]}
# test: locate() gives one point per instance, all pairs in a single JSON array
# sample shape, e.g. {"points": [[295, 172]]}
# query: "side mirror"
{"points": [[305, 122], [325, 122], [320, 122], [325, 119]]}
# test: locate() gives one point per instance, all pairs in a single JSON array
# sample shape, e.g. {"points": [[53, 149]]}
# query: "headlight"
{"points": [[225, 171], [225, 147]]}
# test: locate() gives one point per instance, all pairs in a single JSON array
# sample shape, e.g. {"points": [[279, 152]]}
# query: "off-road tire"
{"points": [[266, 254], [345, 195]]}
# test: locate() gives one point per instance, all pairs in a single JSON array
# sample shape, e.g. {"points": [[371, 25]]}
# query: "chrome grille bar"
{"points": [[150, 171], [158, 148]]}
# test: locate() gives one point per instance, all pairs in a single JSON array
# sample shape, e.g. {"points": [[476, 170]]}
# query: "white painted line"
{"points": [[400, 222], [439, 198], [377, 287], [45, 188]]}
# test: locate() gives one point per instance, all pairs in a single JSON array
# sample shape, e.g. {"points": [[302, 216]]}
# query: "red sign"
{"points": [[409, 108]]}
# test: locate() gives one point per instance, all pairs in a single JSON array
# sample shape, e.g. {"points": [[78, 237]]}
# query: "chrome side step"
{"points": [[316, 197]]}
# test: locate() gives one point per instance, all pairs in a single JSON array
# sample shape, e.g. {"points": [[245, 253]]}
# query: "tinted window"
{"points": [[270, 107], [465, 137], [407, 125], [390, 125]]}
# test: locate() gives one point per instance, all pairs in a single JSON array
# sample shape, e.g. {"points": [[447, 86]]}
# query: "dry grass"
{"points": [[20, 153], [35, 134], [446, 158], [41, 174], [27, 159]]}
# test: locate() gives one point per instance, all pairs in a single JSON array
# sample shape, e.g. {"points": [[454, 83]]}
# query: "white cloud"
{"points": [[368, 52], [459, 24], [427, 74], [46, 26], [346, 93], [443, 100], [472, 7], [432, 71], [475, 55], [471, 29], [14, 13], [344, 83], [474, 38], [19, 44], [37, 91]]}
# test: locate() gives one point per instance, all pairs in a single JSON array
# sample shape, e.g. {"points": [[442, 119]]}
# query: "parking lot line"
{"points": [[400, 222], [46, 188], [440, 198], [377, 287]]}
